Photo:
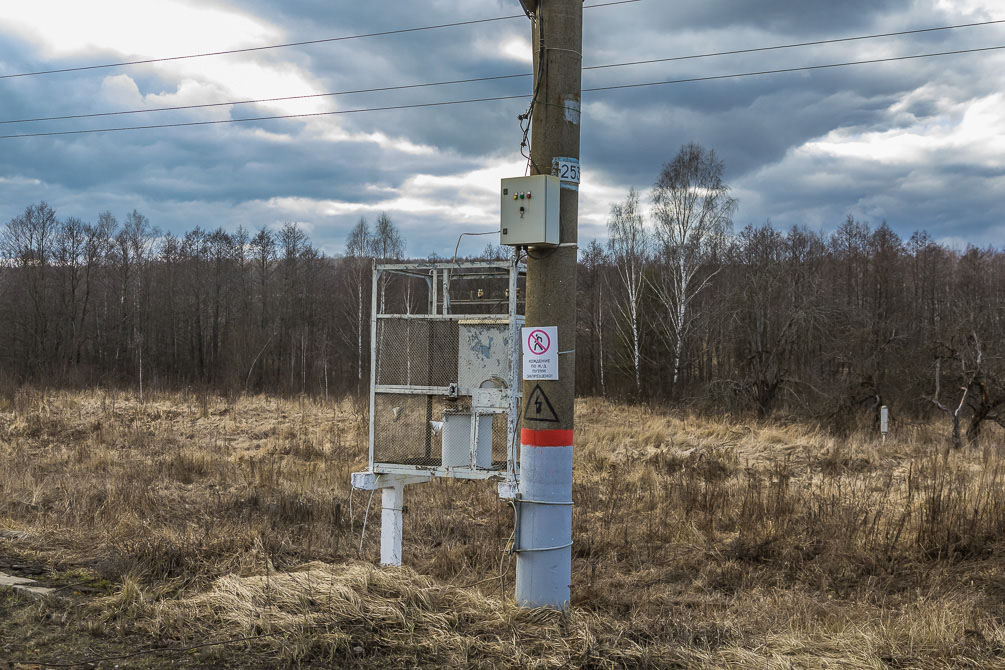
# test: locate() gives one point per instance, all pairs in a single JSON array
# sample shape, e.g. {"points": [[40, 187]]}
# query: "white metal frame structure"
{"points": [[449, 374]]}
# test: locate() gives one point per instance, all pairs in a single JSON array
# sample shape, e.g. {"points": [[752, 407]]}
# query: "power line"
{"points": [[268, 118], [505, 97], [794, 45], [270, 99], [495, 77], [791, 69], [344, 38]]}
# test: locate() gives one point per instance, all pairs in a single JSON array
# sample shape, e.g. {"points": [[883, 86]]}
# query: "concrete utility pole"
{"points": [[544, 544]]}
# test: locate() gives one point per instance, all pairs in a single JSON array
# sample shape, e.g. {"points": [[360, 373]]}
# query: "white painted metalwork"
{"points": [[444, 384], [460, 358]]}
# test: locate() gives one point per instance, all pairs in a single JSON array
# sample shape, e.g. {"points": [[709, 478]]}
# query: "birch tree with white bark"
{"points": [[692, 212], [629, 248]]}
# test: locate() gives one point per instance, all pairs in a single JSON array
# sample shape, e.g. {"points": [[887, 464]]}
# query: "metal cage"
{"points": [[444, 368]]}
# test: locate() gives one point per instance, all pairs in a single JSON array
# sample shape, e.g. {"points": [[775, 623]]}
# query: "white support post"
{"points": [[434, 292], [393, 498], [446, 291], [392, 495]]}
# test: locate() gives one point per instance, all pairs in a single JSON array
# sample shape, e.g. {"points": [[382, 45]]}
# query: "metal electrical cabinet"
{"points": [[529, 209]]}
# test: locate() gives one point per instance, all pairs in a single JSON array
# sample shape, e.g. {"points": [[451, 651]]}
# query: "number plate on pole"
{"points": [[567, 170]]}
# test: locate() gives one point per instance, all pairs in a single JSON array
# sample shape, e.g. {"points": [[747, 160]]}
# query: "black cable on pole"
{"points": [[344, 38], [483, 79], [506, 97]]}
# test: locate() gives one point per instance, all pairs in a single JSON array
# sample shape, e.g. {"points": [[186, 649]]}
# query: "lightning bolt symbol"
{"points": [[537, 405]]}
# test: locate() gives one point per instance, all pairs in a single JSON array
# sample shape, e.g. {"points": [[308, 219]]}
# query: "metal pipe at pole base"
{"points": [[544, 526]]}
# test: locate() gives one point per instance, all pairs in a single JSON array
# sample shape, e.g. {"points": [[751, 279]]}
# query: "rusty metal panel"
{"points": [[484, 354]]}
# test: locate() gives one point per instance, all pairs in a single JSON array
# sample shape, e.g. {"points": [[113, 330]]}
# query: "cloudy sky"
{"points": [[918, 143]]}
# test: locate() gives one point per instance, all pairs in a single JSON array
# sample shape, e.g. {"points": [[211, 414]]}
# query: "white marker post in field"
{"points": [[884, 421]]}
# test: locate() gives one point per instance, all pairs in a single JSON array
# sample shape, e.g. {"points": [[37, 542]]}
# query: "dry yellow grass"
{"points": [[700, 543]]}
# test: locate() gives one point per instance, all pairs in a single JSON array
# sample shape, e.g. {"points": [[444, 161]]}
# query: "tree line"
{"points": [[833, 326], [117, 303], [676, 306]]}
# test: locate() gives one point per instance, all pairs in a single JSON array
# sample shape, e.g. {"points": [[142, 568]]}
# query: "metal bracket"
{"points": [[561, 546], [509, 490], [371, 481], [545, 502]]}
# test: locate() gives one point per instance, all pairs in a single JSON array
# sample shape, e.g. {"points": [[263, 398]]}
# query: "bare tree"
{"points": [[28, 241], [263, 260], [981, 389], [97, 243], [773, 310], [358, 248], [134, 246], [293, 243], [593, 278], [954, 414], [986, 395], [693, 212], [388, 245], [263, 250], [629, 246], [70, 254], [495, 252], [387, 241]]}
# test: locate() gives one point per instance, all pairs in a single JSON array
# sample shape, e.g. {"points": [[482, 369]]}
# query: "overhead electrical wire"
{"points": [[803, 68], [445, 103], [489, 78], [795, 45], [147, 61], [269, 118], [305, 96]]}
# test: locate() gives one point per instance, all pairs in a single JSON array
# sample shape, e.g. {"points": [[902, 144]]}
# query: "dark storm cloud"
{"points": [[802, 16], [261, 173], [953, 200]]}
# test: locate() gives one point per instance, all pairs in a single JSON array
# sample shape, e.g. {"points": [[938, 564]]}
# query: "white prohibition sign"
{"points": [[540, 352]]}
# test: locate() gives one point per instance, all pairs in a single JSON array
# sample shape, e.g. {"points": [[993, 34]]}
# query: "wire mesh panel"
{"points": [[408, 428], [481, 293], [499, 445], [402, 433], [416, 352]]}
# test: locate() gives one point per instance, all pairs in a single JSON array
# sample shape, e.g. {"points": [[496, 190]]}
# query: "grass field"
{"points": [[201, 531]]}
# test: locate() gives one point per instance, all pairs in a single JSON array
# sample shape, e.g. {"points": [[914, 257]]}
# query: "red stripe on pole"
{"points": [[546, 438]]}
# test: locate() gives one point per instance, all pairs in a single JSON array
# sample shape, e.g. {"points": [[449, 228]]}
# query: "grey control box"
{"points": [[529, 211]]}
